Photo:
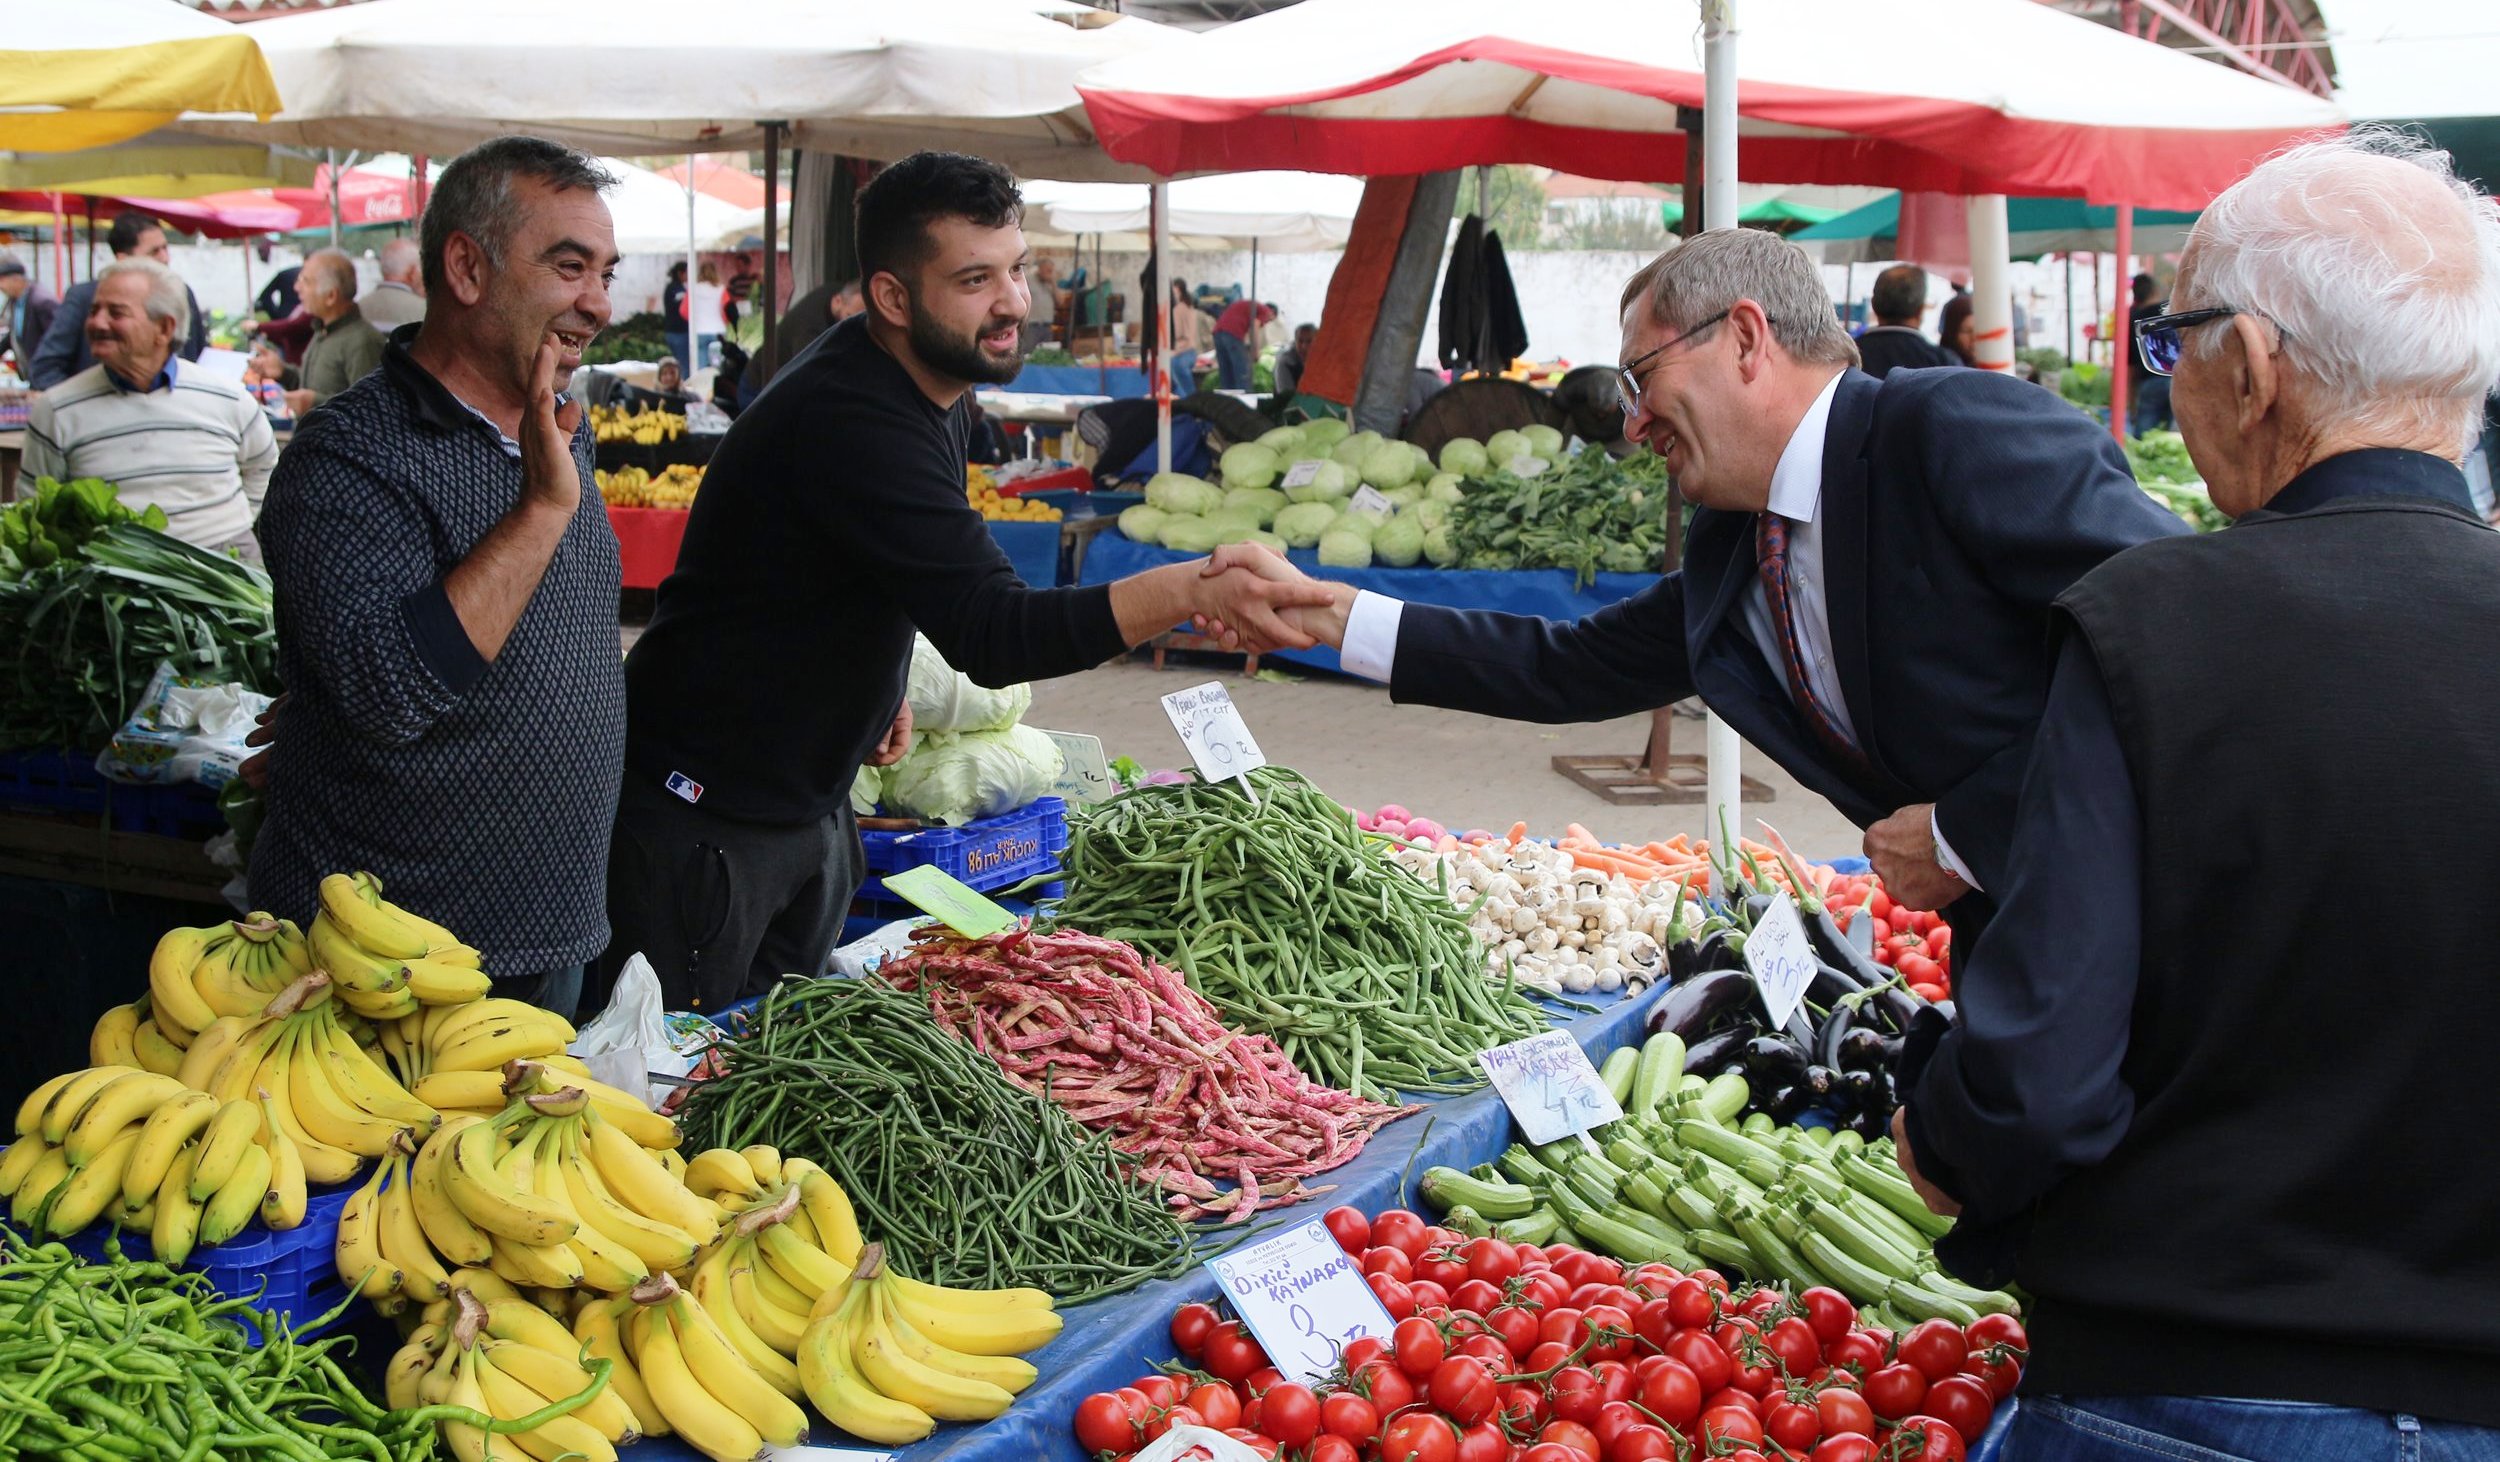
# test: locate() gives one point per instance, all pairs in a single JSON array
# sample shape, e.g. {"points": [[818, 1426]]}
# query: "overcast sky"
{"points": [[2416, 58]]}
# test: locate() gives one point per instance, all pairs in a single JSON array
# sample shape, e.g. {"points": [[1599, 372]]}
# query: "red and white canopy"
{"points": [[1955, 96]]}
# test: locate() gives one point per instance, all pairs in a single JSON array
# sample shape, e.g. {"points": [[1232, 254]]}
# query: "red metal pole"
{"points": [[2123, 359]]}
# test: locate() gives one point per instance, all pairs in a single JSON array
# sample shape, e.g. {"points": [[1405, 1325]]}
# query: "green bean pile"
{"points": [[1296, 924], [134, 1360], [967, 1178]]}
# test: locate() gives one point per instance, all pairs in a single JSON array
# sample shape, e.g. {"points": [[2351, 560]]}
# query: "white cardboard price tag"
{"points": [[1780, 959], [1084, 775], [1300, 474], [1302, 1297], [1212, 728], [1373, 501], [1550, 1087]]}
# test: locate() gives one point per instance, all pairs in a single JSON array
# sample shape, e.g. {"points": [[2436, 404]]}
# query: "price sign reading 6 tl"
{"points": [[1212, 728]]}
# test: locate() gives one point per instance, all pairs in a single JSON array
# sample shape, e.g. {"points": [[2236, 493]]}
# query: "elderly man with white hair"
{"points": [[400, 298], [2230, 1149], [345, 346], [171, 435]]}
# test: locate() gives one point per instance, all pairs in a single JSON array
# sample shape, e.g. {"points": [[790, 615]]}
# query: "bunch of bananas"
{"points": [[510, 1360], [546, 1193], [333, 1100], [387, 962], [485, 1093], [682, 1375], [982, 492], [143, 1152], [886, 1357], [647, 425], [195, 976], [636, 487], [480, 1038]]}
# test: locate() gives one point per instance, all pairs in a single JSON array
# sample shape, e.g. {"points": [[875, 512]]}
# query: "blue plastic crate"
{"points": [[995, 852], [293, 1273], [67, 782], [1081, 503]]}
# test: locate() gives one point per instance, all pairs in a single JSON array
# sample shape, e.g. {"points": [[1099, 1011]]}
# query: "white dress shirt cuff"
{"points": [[1944, 850], [1371, 636]]}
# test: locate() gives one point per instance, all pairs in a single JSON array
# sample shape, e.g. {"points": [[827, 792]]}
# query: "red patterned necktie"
{"points": [[1770, 541]]}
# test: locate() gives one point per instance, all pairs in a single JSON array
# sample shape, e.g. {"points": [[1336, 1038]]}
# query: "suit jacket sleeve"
{"points": [[2036, 495], [1627, 657], [59, 350]]}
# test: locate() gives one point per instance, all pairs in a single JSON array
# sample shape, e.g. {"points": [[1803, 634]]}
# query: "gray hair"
{"points": [[1711, 271], [335, 271], [167, 299], [400, 257], [2380, 267], [474, 196]]}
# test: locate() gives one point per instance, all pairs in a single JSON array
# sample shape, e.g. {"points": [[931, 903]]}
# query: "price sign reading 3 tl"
{"points": [[1302, 1297], [1212, 728]]}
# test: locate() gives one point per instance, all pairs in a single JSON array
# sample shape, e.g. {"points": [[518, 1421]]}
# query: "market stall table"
{"points": [[1081, 380]]}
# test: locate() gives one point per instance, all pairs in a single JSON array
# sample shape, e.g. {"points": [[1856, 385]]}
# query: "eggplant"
{"points": [[1864, 1050], [1714, 1054], [1830, 983], [1774, 1061], [1857, 1089], [1824, 934], [1898, 1008], [1719, 951], [1687, 1009], [1800, 1029], [1756, 906], [1787, 1102], [1683, 960], [1820, 1080]]}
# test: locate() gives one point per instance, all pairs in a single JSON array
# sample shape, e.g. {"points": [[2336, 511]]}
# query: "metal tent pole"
{"points": [[1159, 204], [1725, 750], [2122, 361], [772, 234], [1992, 300]]}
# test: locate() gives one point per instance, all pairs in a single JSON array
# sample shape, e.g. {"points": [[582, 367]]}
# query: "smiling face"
{"points": [[123, 336], [966, 310], [553, 281]]}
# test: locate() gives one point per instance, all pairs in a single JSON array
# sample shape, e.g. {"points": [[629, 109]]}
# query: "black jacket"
{"points": [[1481, 328], [1957, 506]]}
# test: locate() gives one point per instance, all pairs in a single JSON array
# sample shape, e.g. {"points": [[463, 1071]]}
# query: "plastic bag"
{"points": [[957, 779], [944, 699], [633, 1039], [185, 730]]}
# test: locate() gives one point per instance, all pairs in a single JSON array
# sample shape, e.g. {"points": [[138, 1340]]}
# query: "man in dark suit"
{"points": [[1865, 588], [63, 351], [1893, 342]]}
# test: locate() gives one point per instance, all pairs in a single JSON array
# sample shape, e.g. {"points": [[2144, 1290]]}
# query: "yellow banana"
{"points": [[515, 1318], [711, 1294], [109, 1044], [70, 1103], [30, 1111], [328, 1113], [1005, 1372], [88, 1188], [727, 1374], [124, 1102], [173, 999], [887, 1367], [232, 1206], [971, 1301], [208, 1050], [641, 1184], [831, 1374], [20, 1160], [496, 1204], [160, 1138], [350, 966], [399, 1379], [648, 1128], [658, 1245], [507, 1399], [176, 1227], [456, 954], [552, 1266], [722, 1172], [699, 1418], [774, 1325], [468, 1443], [444, 1024], [283, 1207], [376, 928], [446, 1227], [436, 983], [218, 978], [490, 1288], [552, 1372], [607, 1266], [259, 1052], [356, 1077], [488, 1047], [809, 1270], [294, 954], [360, 1259], [322, 1162], [671, 1159], [765, 1162], [222, 1144], [152, 1052], [598, 1328], [829, 1209], [379, 1004], [1000, 1330], [51, 1170], [422, 1276], [461, 1091], [779, 1292]]}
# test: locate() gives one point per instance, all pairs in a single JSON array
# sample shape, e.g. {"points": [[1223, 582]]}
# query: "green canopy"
{"points": [[2473, 141], [1768, 211]]}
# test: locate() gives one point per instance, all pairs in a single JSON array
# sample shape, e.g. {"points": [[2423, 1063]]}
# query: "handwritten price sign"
{"points": [[1780, 959], [1211, 727], [1550, 1087], [1302, 1297]]}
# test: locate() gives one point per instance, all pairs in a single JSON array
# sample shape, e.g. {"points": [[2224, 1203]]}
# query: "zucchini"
{"points": [[1725, 1096], [1858, 1280], [1689, 1206], [1759, 1125], [1882, 1222], [1727, 1251], [1862, 1244], [1465, 1220], [1660, 1069], [1537, 1228], [1617, 1073], [1895, 1193], [1783, 1261], [1448, 1189], [1922, 1303]]}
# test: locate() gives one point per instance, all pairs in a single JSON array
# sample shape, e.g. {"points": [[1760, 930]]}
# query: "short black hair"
{"points": [[677, 272], [124, 239], [1900, 294], [474, 195], [903, 199], [2145, 285]]}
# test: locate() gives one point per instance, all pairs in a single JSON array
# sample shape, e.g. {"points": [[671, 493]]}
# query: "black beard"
{"points": [[962, 357]]}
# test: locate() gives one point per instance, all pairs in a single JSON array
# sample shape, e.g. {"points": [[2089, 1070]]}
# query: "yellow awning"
{"points": [[114, 69], [158, 165]]}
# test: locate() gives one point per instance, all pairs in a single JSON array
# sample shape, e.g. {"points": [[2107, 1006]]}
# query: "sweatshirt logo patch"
{"points": [[685, 786]]}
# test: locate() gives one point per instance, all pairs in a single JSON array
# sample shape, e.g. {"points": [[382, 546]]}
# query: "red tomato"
{"points": [[1962, 1402], [1702, 1355], [1642, 1443], [1428, 1296], [1516, 1325], [1262, 1381], [1386, 1385], [1612, 1418], [1930, 991], [1232, 1354], [1652, 1281], [1545, 1356], [1731, 1399], [1190, 1324], [1847, 1447], [1615, 1381], [1936, 1347], [1573, 1435], [1381, 1259], [1264, 1445], [1401, 1230], [1690, 1304], [1418, 1347], [1927, 1439], [1999, 1376], [1896, 1390], [1762, 1302], [1654, 1323], [1161, 1391], [1602, 1269], [1476, 1296], [1419, 1436], [1348, 1226], [1611, 1331], [1998, 1330], [1395, 1297], [1290, 1413], [1795, 1425], [1352, 1417], [1794, 1342], [1157, 1423], [1561, 1327], [1547, 1289], [1829, 1313], [1104, 1423], [1523, 1407], [1483, 1442], [1491, 1260], [1730, 1424], [1859, 1351], [1333, 1448], [1462, 1388], [1443, 1265], [1844, 1411], [1575, 1394], [1547, 1452], [1219, 1404], [1671, 1392]]}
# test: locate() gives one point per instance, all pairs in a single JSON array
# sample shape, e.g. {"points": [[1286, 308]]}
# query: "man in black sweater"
{"points": [[2225, 1160], [1898, 299], [832, 524]]}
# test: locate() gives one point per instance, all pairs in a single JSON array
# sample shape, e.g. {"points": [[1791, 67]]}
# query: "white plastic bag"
{"points": [[632, 1040], [184, 730], [1196, 1444]]}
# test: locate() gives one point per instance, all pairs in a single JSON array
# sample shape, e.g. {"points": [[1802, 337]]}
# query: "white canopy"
{"points": [[638, 77], [1282, 213], [649, 212]]}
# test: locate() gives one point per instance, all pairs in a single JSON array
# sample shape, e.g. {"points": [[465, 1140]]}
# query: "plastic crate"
{"points": [[1065, 479], [994, 852], [67, 782], [292, 1273], [867, 915], [1078, 503]]}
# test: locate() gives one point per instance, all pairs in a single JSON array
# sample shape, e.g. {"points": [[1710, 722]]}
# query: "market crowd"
{"points": [[2186, 1106]]}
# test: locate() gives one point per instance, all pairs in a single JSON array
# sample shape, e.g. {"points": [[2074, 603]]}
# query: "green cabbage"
{"points": [[1432, 513], [1444, 488], [1267, 502], [1464, 456], [1329, 482], [1351, 521], [1301, 524], [1284, 441], [1183, 533], [1248, 464], [1266, 540], [954, 778], [1407, 496], [866, 786], [1390, 464], [1502, 446], [1323, 432], [944, 699], [1438, 548], [1232, 525], [1354, 450], [1527, 464], [1543, 440], [1178, 492], [1142, 523], [1423, 462], [1343, 549], [1399, 543]]}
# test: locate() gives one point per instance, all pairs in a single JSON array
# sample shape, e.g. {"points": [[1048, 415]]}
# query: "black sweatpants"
{"points": [[722, 908]]}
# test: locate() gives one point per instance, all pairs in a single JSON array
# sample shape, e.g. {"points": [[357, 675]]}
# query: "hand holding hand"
{"points": [[1249, 597], [1938, 1201], [1903, 849]]}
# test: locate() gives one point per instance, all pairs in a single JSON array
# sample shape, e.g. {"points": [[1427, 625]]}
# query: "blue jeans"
{"points": [[1232, 362], [678, 346], [556, 990], [2217, 1429], [1184, 372]]}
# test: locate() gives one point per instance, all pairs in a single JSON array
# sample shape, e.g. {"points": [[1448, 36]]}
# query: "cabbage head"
{"points": [[866, 787], [1142, 522], [1183, 533], [1284, 441], [1301, 524], [1323, 432], [1527, 464], [1543, 440], [1390, 464], [1247, 464], [1432, 513], [1407, 496], [1351, 521], [1356, 449], [1267, 502], [1340, 549], [1444, 488], [1423, 462], [954, 778], [1232, 525], [1330, 482], [1464, 456], [1266, 539], [1502, 446], [944, 699], [1438, 548], [1178, 492], [1399, 543]]}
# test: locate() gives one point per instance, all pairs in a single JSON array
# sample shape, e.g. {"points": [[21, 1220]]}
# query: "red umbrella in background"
{"points": [[220, 216]]}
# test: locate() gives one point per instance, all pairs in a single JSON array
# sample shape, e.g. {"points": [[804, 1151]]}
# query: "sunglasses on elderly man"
{"points": [[2160, 335]]}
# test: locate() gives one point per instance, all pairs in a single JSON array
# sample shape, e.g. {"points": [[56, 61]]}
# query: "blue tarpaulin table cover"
{"points": [[1080, 380]]}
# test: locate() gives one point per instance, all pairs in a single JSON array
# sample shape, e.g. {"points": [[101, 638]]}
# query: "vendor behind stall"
{"points": [[833, 523]]}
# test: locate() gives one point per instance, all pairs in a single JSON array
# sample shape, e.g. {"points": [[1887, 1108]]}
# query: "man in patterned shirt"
{"points": [[446, 588]]}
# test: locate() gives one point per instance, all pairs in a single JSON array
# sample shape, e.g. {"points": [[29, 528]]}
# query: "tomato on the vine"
{"points": [[1159, 1422], [1936, 1347], [1515, 1325], [1419, 1436], [1489, 1349], [1829, 1313], [1491, 1260], [1858, 1351], [1795, 1343], [1161, 1391], [1844, 1411], [1846, 1447], [1642, 1443], [1359, 1351], [1546, 1452], [1386, 1385], [1999, 1376], [1219, 1404], [1442, 1265], [1547, 1290], [1352, 1417], [1612, 1418], [1476, 1296], [1574, 1396], [1896, 1390], [1333, 1448], [1401, 1230], [1483, 1442], [1463, 1388], [1105, 1423], [1963, 1402], [1289, 1412], [1418, 1347], [1671, 1392], [1545, 1355], [1258, 1442], [1991, 1330], [1615, 1380], [1795, 1425], [1701, 1354], [1524, 1408], [1428, 1297], [1573, 1435], [1382, 1259], [1610, 1332], [1730, 1424], [1934, 1440], [1190, 1324], [1348, 1226]]}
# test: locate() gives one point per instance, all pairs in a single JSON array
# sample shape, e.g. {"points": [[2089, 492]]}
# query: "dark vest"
{"points": [[2307, 1205]]}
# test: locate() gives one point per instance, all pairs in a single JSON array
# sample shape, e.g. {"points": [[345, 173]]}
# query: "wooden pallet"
{"points": [[1629, 781], [72, 850], [1164, 644]]}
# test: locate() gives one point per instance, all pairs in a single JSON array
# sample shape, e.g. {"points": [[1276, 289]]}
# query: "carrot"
{"points": [[1519, 832], [1575, 831]]}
